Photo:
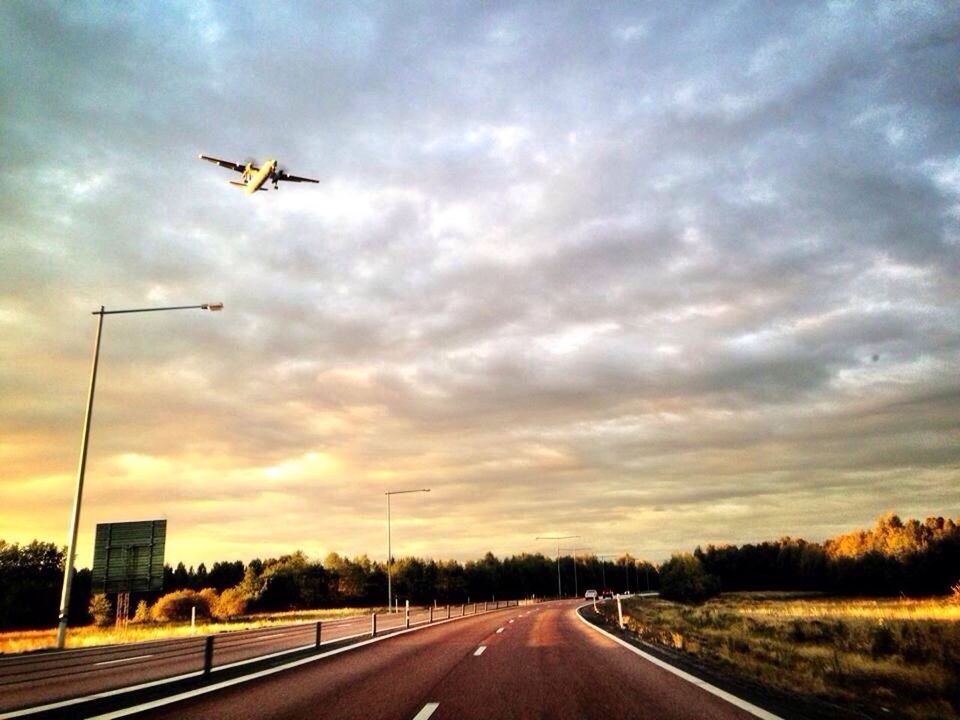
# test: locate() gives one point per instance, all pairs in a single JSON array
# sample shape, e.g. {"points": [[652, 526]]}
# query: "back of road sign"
{"points": [[128, 556]]}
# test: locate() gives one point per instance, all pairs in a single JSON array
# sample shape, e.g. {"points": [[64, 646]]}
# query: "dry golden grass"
{"points": [[27, 640], [884, 656], [902, 609]]}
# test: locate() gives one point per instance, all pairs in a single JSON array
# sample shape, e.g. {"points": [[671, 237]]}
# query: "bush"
{"points": [[142, 613], [683, 579], [230, 604], [101, 610], [177, 606], [211, 597]]}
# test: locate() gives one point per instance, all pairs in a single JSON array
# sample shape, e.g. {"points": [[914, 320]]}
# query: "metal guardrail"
{"points": [[45, 677]]}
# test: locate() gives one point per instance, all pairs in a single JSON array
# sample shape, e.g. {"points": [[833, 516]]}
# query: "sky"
{"points": [[650, 274]]}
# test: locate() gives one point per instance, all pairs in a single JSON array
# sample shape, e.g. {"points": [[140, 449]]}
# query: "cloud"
{"points": [[620, 272]]}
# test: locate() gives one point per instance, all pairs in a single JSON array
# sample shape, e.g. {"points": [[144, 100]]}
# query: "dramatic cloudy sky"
{"points": [[653, 274]]}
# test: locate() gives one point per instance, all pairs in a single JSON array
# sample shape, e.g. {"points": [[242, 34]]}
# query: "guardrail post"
{"points": [[207, 655], [430, 616], [319, 623], [406, 614], [373, 624]]}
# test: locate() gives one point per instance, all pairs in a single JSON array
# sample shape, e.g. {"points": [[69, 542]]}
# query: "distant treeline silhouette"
{"points": [[910, 558], [893, 558]]}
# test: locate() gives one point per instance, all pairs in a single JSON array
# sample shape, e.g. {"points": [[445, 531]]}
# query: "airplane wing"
{"points": [[295, 178], [227, 164]]}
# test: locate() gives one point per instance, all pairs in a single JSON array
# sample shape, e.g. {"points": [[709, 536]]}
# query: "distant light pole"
{"points": [[576, 591], [558, 538], [389, 543], [603, 566], [75, 517], [626, 567]]}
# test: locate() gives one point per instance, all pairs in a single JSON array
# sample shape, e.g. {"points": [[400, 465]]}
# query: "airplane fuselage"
{"points": [[255, 181]]}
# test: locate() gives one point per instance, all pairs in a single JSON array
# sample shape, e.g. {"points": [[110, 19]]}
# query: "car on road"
{"points": [[606, 593], [590, 595]]}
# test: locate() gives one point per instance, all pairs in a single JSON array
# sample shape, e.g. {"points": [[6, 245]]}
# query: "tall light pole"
{"points": [[558, 538], [576, 592], [389, 545], [626, 566], [78, 495], [603, 567]]}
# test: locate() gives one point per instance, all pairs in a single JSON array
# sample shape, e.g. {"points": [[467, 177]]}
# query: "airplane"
{"points": [[255, 177]]}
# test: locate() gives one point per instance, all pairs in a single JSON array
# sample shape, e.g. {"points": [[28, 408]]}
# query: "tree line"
{"points": [[893, 558], [913, 558]]}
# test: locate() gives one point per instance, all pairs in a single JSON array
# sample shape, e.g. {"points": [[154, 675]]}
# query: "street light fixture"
{"points": [[75, 517], [389, 545], [558, 538]]}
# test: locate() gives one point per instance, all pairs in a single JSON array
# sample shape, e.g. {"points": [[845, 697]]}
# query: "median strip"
{"points": [[124, 712]]}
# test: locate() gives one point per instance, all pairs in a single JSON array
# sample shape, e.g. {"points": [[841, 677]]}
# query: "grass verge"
{"points": [[892, 658]]}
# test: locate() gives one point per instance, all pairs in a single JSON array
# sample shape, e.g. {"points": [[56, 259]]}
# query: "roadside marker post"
{"points": [[448, 612], [620, 612], [430, 616], [406, 614], [318, 633], [373, 624]]}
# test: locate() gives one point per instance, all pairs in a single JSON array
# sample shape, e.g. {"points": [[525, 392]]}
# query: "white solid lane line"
{"points": [[499, 630], [428, 710], [480, 650], [754, 710], [123, 660]]}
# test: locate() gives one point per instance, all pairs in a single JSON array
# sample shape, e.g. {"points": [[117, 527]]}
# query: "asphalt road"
{"points": [[32, 679], [537, 662]]}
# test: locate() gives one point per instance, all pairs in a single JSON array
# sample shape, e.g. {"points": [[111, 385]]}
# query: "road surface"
{"points": [[531, 662], [32, 679]]}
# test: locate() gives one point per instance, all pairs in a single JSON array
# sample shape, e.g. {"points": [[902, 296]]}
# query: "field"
{"points": [[894, 658], [26, 640]]}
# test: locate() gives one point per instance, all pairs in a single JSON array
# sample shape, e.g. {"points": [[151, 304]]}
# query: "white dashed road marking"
{"points": [[428, 710], [480, 650], [123, 660], [499, 630]]}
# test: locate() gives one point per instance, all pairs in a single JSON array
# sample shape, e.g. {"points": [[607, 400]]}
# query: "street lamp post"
{"points": [[78, 494], [576, 591], [389, 543], [626, 567], [558, 539]]}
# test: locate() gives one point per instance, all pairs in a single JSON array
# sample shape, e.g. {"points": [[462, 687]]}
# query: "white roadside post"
{"points": [[406, 614], [620, 612], [193, 617]]}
